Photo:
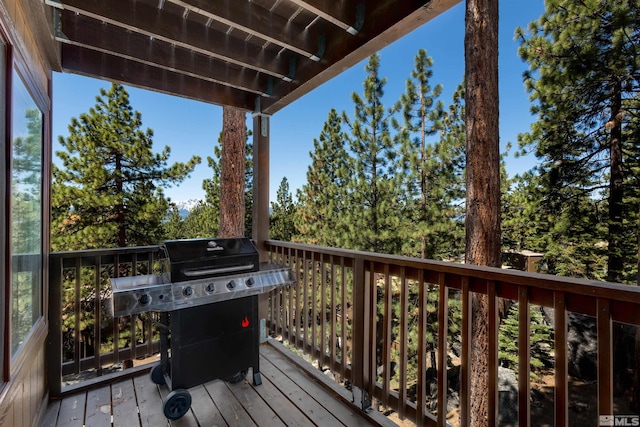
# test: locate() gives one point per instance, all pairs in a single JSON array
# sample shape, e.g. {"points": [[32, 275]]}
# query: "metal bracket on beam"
{"points": [[269, 90], [321, 48], [292, 71], [264, 118], [357, 26], [57, 27], [361, 398]]}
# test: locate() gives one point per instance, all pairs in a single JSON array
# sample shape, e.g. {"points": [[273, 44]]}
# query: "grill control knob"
{"points": [[250, 282], [188, 291], [210, 288], [231, 285], [144, 299]]}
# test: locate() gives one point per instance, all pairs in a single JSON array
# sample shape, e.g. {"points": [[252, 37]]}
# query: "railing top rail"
{"points": [[105, 252], [591, 288]]}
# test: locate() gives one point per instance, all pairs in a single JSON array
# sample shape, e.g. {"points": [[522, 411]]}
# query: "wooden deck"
{"points": [[290, 395]]}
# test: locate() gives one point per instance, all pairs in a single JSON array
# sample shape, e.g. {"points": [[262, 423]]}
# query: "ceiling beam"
{"points": [[344, 14], [86, 32], [140, 17], [257, 21], [117, 69]]}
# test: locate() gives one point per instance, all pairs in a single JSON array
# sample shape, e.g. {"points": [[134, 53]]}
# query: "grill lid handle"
{"points": [[223, 270]]}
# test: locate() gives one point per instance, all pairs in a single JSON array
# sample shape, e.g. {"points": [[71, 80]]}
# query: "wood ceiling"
{"points": [[258, 55]]}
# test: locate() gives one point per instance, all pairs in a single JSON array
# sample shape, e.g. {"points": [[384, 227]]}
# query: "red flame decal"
{"points": [[245, 322]]}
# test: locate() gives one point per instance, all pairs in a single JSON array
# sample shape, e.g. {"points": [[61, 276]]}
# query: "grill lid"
{"points": [[208, 249], [191, 259]]}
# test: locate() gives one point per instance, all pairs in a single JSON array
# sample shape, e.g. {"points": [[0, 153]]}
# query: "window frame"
{"points": [[34, 341]]}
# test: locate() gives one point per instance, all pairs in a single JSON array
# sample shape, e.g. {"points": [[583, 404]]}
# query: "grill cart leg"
{"points": [[257, 379]]}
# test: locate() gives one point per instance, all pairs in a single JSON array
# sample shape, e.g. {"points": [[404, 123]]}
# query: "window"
{"points": [[25, 212]]}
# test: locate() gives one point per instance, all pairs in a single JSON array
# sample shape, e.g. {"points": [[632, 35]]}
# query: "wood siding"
{"points": [[24, 26], [24, 399]]}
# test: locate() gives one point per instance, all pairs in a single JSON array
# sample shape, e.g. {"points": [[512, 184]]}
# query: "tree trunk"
{"points": [[482, 222], [232, 173]]}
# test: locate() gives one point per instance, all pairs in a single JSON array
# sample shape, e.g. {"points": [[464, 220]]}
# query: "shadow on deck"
{"points": [[290, 395]]}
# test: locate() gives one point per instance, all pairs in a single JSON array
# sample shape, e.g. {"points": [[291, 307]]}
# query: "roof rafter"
{"points": [[258, 55], [104, 37], [154, 22], [264, 24], [346, 15]]}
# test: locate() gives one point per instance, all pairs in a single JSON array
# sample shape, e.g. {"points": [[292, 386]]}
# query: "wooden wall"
{"points": [[25, 27]]}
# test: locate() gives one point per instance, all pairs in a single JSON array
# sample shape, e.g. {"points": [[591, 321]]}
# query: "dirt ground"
{"points": [[583, 405]]}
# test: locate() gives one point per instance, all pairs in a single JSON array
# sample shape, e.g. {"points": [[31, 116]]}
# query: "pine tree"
{"points": [[432, 170], [583, 77], [373, 196], [322, 200], [281, 221], [109, 191]]}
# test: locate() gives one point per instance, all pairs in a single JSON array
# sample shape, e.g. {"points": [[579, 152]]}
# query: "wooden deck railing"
{"points": [[378, 323], [84, 336]]}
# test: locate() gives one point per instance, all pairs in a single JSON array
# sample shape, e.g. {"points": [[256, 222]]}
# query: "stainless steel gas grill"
{"points": [[207, 298]]}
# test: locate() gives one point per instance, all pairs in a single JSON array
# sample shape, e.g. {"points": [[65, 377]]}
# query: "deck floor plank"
{"points": [[286, 410], [254, 404], [288, 396], [302, 397], [98, 412], [228, 405], [204, 409], [72, 411], [123, 404], [149, 402], [328, 402]]}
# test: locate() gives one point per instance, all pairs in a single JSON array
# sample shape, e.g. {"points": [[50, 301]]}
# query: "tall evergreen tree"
{"points": [[109, 191], [373, 191], [422, 115], [282, 226], [322, 200], [583, 77]]}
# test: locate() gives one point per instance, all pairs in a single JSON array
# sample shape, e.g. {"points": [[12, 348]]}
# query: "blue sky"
{"points": [[191, 127]]}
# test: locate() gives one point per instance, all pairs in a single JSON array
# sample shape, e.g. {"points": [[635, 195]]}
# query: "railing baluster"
{"points": [[421, 389], [323, 310], [116, 320], [334, 318], [134, 317], [372, 294], [465, 359], [300, 301], [605, 358], [97, 318], [306, 306], [402, 362], [493, 352], [78, 312], [524, 406], [387, 329], [314, 302], [343, 324], [561, 365], [443, 326]]}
